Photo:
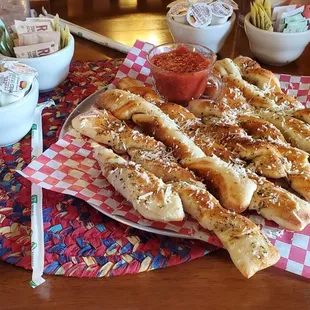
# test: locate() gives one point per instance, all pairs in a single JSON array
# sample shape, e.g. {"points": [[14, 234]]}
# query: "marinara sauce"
{"points": [[180, 74]]}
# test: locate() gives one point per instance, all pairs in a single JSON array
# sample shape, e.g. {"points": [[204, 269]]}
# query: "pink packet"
{"points": [[306, 12]]}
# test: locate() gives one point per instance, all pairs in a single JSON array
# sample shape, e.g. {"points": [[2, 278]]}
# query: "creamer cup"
{"points": [[199, 15], [178, 12], [220, 12]]}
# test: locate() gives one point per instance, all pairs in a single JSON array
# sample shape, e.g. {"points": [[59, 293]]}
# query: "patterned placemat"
{"points": [[79, 241]]}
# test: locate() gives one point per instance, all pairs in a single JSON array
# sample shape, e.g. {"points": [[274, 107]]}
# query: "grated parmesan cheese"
{"points": [[145, 196]]}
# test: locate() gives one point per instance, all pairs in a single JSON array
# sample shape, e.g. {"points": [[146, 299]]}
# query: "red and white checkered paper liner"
{"points": [[68, 167]]}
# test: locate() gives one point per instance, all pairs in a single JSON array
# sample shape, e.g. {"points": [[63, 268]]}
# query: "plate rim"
{"points": [[77, 110]]}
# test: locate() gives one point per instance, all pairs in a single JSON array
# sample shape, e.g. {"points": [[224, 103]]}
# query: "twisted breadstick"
{"points": [[296, 161], [265, 158], [139, 88], [234, 192], [294, 130], [273, 202], [259, 86], [252, 72], [247, 246], [303, 115], [149, 195], [260, 129]]}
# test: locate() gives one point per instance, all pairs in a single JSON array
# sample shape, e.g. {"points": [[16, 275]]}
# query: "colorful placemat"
{"points": [[79, 241], [69, 167]]}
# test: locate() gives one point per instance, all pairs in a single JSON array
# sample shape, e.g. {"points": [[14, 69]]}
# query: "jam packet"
{"points": [[15, 81]]}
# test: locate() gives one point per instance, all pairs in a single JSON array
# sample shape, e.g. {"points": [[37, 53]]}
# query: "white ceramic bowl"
{"points": [[53, 69], [17, 117], [212, 36], [275, 48]]}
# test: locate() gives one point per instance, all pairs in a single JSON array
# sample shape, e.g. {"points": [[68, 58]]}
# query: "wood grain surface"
{"points": [[211, 282]]}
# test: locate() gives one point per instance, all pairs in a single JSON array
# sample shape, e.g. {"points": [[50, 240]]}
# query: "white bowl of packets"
{"points": [[279, 36], [19, 93], [42, 44], [205, 22]]}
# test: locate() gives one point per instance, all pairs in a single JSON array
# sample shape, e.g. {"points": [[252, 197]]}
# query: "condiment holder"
{"points": [[17, 117], [213, 36], [275, 48], [206, 23], [52, 69], [43, 44]]}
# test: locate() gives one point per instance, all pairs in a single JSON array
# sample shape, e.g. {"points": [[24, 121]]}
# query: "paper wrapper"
{"points": [[90, 35], [37, 231], [68, 167]]}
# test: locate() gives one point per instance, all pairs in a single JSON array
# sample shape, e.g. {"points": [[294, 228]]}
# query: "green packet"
{"points": [[296, 27], [295, 18], [6, 42]]}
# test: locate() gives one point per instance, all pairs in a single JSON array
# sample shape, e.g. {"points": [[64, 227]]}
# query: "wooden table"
{"points": [[210, 282]]}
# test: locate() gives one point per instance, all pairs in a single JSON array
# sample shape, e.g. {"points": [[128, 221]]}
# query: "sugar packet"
{"points": [[30, 26], [36, 50], [39, 19], [39, 37]]}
